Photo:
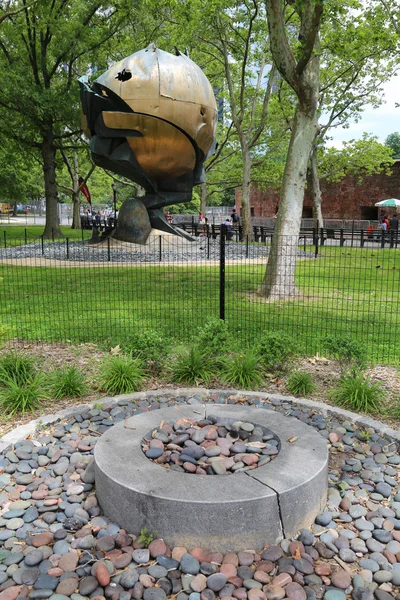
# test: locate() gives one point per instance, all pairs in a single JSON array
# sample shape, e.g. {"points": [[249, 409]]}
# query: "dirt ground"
{"points": [[88, 357]]}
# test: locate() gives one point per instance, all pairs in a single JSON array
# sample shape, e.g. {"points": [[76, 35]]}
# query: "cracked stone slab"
{"points": [[233, 512]]}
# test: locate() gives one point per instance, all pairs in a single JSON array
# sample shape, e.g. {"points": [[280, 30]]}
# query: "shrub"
{"points": [[192, 367], [4, 331], [18, 397], [121, 374], [149, 345], [69, 382], [300, 383], [357, 392], [345, 350], [242, 370], [275, 349], [16, 366], [212, 336]]}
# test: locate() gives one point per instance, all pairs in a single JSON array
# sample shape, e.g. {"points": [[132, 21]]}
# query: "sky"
{"points": [[380, 121]]}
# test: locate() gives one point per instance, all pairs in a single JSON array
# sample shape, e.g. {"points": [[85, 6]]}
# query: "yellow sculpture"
{"points": [[151, 117]]}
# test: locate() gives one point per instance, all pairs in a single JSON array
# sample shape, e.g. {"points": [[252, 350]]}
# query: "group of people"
{"points": [[92, 217], [386, 224], [389, 224]]}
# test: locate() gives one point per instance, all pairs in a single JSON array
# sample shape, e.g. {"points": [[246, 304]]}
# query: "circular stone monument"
{"points": [[220, 512]]}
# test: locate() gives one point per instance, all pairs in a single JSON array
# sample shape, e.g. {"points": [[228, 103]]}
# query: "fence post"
{"points": [[160, 248], [362, 239], [67, 246], [341, 238], [83, 237], [5, 239], [247, 246], [108, 250], [208, 246], [26, 236], [352, 233], [42, 238], [222, 273], [383, 238], [391, 233], [316, 245]]}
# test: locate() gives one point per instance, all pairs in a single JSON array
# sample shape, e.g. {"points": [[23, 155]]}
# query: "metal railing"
{"points": [[346, 283]]}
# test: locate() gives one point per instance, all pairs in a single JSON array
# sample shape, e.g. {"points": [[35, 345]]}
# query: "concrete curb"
{"points": [[20, 433]]}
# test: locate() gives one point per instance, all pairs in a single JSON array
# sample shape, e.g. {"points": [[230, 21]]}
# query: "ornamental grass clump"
{"points": [[121, 375], [17, 397], [16, 366], [357, 392], [192, 367], [69, 382], [300, 383], [242, 370]]}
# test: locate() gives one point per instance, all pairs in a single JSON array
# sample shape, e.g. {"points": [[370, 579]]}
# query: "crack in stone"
{"points": [[277, 498]]}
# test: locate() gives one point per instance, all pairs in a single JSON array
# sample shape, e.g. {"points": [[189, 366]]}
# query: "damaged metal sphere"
{"points": [[152, 118]]}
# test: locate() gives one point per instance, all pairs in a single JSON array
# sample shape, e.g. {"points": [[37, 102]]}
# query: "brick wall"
{"points": [[347, 199]]}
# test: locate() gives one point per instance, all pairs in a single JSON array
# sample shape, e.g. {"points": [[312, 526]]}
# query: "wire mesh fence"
{"points": [[68, 289]]}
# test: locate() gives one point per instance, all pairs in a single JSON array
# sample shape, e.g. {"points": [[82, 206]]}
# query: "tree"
{"points": [[298, 62], [357, 57], [20, 175], [42, 50], [393, 142], [223, 170], [357, 157], [229, 41], [76, 185]]}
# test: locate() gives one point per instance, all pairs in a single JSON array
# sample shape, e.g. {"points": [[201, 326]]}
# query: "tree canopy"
{"points": [[393, 142]]}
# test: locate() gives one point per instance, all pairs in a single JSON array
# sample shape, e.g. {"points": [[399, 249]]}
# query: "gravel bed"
{"points": [[209, 447], [171, 251], [55, 543]]}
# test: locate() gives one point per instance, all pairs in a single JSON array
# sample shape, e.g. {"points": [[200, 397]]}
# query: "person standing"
{"points": [[234, 217], [394, 223]]}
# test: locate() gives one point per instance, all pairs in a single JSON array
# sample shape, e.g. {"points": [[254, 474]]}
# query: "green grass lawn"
{"points": [[352, 292], [14, 235]]}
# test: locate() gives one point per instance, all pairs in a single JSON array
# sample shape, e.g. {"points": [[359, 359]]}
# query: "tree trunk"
{"points": [[203, 198], [76, 210], [316, 190], [76, 205], [279, 279], [52, 227], [246, 186]]}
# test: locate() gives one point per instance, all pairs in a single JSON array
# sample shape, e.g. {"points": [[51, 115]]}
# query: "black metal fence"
{"points": [[346, 284]]}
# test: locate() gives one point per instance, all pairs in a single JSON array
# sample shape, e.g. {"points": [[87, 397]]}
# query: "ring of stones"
{"points": [[210, 446], [248, 510]]}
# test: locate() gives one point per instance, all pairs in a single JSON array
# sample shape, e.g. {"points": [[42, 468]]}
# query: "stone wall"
{"points": [[347, 199]]}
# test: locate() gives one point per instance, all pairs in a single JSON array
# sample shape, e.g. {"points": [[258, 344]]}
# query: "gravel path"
{"points": [[171, 251], [55, 543]]}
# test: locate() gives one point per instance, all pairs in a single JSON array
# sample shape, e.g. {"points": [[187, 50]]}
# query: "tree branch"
{"points": [[311, 33], [280, 48], [15, 11], [264, 112]]}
